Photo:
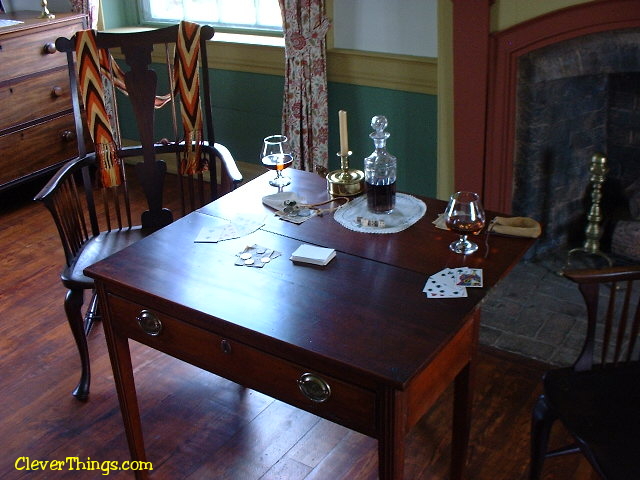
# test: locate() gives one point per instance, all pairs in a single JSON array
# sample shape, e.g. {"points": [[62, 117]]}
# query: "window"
{"points": [[260, 15]]}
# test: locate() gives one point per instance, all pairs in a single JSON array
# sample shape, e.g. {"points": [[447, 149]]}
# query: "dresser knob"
{"points": [[314, 387], [68, 136], [150, 324], [225, 346], [57, 91], [50, 48]]}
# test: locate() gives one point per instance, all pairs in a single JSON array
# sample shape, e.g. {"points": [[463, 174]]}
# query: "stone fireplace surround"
{"points": [[486, 67]]}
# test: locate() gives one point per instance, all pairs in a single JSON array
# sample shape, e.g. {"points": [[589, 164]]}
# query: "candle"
{"points": [[344, 138]]}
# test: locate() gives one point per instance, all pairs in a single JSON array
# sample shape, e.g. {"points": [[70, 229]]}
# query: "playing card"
{"points": [[472, 277], [442, 285]]}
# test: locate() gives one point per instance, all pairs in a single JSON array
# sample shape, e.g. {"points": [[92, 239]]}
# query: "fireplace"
{"points": [[523, 91], [577, 98]]}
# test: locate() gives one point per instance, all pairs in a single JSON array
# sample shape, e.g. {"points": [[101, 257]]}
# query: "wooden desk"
{"points": [[361, 326]]}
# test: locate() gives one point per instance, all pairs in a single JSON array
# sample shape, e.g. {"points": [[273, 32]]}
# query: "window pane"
{"points": [[268, 13], [201, 11], [238, 12], [259, 14], [165, 9]]}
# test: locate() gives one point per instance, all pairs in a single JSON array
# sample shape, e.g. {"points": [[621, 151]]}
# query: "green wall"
{"points": [[412, 125], [119, 13], [247, 107]]}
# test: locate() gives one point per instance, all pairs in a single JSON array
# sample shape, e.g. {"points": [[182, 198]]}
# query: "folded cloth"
{"points": [[516, 226]]}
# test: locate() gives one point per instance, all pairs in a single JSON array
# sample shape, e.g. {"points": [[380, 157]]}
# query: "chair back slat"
{"points": [[608, 324], [635, 331], [612, 332], [66, 211], [73, 218], [623, 320], [66, 207], [106, 208]]}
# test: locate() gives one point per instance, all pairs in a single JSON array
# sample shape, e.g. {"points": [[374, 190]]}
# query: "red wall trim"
{"points": [[470, 62]]}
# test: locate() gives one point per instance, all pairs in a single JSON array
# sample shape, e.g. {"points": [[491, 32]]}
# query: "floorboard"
{"points": [[197, 425]]}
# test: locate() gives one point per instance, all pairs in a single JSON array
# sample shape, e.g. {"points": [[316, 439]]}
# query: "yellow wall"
{"points": [[445, 99], [507, 13]]}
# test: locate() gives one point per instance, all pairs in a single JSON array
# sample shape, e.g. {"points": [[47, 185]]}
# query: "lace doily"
{"points": [[408, 210]]}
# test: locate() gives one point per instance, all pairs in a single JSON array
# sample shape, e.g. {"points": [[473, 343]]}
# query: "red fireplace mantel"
{"points": [[485, 77]]}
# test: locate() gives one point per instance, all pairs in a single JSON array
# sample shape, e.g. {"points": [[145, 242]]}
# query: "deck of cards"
{"points": [[453, 282]]}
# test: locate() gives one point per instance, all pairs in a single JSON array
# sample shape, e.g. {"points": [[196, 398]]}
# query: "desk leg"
{"points": [[392, 432], [462, 401], [462, 405], [125, 385]]}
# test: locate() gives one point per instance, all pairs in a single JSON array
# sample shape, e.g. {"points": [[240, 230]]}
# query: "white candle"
{"points": [[344, 138]]}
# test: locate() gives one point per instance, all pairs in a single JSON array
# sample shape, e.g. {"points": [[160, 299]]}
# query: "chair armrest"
{"points": [[610, 274], [228, 167], [230, 175], [69, 168]]}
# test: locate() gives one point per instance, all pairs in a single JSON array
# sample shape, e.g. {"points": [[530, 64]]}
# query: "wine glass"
{"points": [[276, 155], [465, 215]]}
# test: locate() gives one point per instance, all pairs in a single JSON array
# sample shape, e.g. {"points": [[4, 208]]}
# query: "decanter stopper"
{"points": [[380, 170]]}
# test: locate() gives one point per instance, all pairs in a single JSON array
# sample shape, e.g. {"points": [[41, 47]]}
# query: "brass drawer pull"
{"points": [[314, 387], [150, 324]]}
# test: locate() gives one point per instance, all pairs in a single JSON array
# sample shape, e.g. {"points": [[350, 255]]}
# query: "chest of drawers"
{"points": [[37, 132]]}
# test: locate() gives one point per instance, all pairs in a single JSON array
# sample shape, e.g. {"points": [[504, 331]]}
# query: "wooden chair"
{"points": [[598, 398], [95, 220]]}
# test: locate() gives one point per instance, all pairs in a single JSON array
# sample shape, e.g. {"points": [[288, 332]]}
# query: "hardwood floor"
{"points": [[197, 425]]}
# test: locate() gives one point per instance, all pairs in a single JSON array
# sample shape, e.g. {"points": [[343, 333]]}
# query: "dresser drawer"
{"points": [[22, 54], [349, 405], [37, 147], [34, 97]]}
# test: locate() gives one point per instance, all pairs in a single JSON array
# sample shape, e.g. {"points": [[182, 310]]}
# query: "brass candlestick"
{"points": [[45, 11], [345, 182], [593, 231]]}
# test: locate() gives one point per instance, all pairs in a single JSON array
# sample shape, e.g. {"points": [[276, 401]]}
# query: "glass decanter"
{"points": [[380, 170]]}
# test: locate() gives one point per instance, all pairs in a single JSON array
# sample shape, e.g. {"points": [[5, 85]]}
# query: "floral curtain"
{"points": [[305, 110], [88, 7]]}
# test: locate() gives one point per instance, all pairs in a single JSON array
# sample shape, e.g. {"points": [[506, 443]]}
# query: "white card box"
{"points": [[313, 254]]}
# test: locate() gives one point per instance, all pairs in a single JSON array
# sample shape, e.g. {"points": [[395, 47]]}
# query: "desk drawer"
{"points": [[351, 406], [34, 98]]}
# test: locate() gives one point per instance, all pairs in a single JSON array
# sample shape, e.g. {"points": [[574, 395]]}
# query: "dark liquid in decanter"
{"points": [[381, 198]]}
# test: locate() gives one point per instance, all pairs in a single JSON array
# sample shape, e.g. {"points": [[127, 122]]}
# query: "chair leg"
{"points": [[541, 421], [73, 308], [92, 316]]}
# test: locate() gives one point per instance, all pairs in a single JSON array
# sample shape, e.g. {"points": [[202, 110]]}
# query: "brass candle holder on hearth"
{"points": [[593, 232]]}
